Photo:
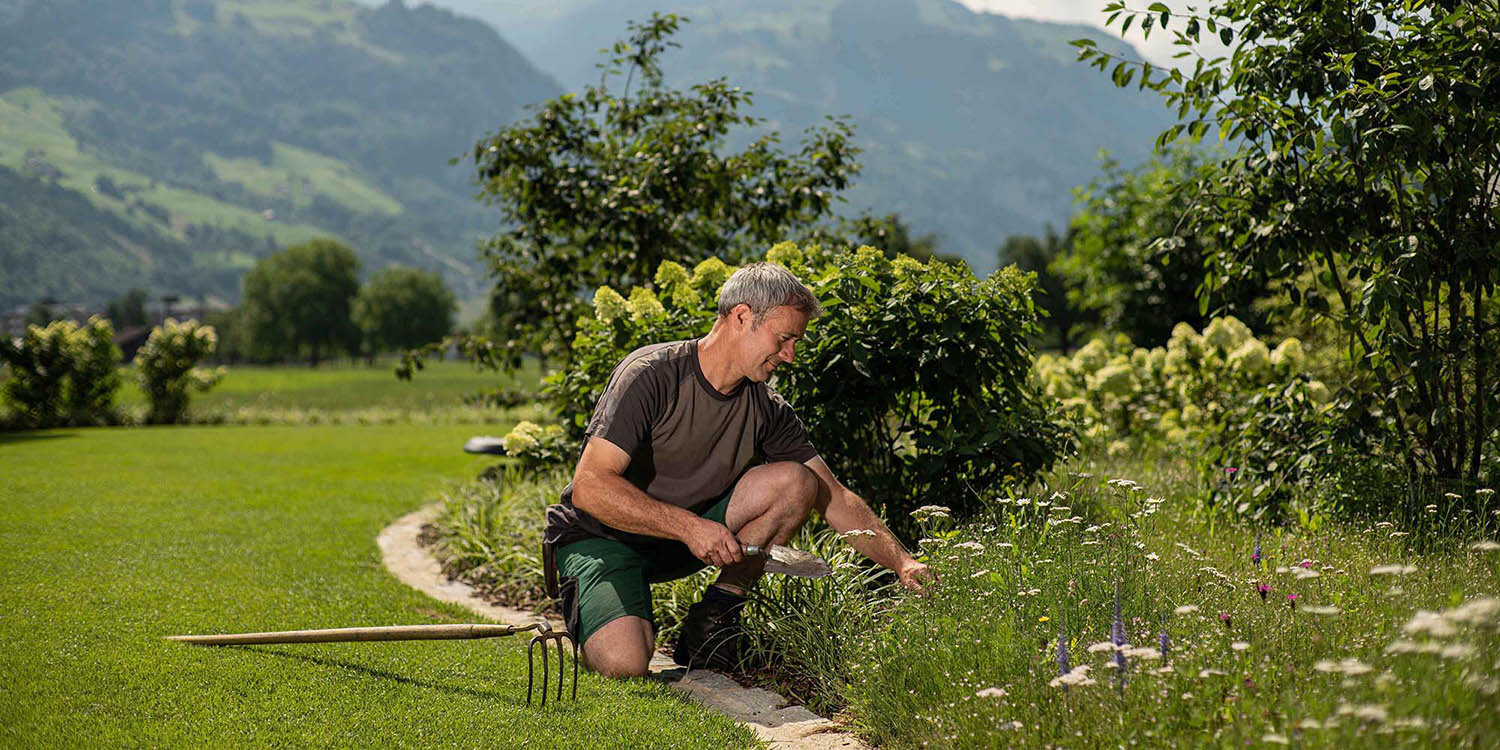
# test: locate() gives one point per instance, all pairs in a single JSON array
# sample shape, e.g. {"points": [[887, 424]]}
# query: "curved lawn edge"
{"points": [[766, 713]]}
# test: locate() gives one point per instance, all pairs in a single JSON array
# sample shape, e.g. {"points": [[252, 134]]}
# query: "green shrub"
{"points": [[1252, 416], [914, 384], [168, 367], [96, 374], [62, 373]]}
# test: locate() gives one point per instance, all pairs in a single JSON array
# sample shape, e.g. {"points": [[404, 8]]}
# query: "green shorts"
{"points": [[600, 580]]}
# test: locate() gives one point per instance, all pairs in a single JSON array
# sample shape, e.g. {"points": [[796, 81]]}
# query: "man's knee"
{"points": [[619, 664], [794, 485], [621, 648]]}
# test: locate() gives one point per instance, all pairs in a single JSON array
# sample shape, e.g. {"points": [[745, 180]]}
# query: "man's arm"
{"points": [[601, 490], [847, 511]]}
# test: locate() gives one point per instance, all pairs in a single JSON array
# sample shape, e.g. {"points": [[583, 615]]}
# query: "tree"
{"points": [[128, 310], [1064, 320], [296, 301], [403, 308], [1117, 271], [1366, 174], [598, 188]]}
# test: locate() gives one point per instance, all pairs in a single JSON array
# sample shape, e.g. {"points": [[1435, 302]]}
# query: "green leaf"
{"points": [[1226, 35]]}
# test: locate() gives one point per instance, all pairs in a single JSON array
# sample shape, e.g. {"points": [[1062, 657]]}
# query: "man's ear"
{"points": [[742, 316]]}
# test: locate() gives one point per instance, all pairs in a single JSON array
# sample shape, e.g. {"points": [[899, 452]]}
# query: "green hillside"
{"points": [[194, 136], [974, 125]]}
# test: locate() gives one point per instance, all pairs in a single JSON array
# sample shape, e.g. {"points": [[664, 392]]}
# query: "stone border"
{"points": [[769, 715]]}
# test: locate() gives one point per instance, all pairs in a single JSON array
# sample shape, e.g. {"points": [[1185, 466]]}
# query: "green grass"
{"points": [[342, 392], [113, 538], [301, 175]]}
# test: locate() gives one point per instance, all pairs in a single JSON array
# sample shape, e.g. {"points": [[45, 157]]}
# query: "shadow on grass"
{"points": [[392, 676], [21, 436]]}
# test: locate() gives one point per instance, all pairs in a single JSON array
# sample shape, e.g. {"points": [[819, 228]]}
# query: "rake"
{"points": [[544, 634]]}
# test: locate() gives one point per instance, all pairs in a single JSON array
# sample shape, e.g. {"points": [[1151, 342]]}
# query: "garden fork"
{"points": [[544, 634]]}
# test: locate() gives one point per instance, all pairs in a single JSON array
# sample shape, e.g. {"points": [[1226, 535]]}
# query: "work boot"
{"points": [[711, 635]]}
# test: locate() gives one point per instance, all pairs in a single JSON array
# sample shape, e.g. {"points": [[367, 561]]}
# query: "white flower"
{"points": [[1101, 647], [976, 546], [1367, 711], [1309, 723], [1239, 645], [857, 532], [1209, 672], [1392, 570], [979, 573], [1432, 623], [1384, 525], [931, 511], [1319, 610], [1398, 534], [1152, 556], [1484, 545], [1453, 496], [1457, 651], [1078, 676], [1274, 738], [1350, 666], [1012, 725], [1305, 573], [1402, 646], [1186, 609], [1477, 612], [1142, 652], [1004, 545], [1484, 492], [1188, 550], [992, 692]]}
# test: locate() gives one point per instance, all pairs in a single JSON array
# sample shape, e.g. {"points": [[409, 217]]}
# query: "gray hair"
{"points": [[764, 286]]}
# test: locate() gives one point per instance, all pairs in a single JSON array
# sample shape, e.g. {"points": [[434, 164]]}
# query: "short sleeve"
{"points": [[784, 437], [631, 402]]}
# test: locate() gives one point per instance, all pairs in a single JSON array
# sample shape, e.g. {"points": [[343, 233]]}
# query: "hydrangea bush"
{"points": [[914, 385], [1253, 414], [62, 373], [168, 367]]}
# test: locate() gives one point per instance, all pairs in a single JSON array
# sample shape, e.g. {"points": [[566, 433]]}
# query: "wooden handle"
{"points": [[339, 635]]}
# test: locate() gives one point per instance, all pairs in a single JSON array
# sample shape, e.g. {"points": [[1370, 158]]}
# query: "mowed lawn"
{"points": [[112, 538]]}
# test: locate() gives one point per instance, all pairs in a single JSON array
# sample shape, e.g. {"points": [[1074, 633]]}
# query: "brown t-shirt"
{"points": [[688, 443]]}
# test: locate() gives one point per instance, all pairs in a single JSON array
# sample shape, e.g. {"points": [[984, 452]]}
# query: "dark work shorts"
{"points": [[600, 580]]}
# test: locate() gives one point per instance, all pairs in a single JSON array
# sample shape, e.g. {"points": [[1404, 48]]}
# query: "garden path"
{"points": [[781, 726]]}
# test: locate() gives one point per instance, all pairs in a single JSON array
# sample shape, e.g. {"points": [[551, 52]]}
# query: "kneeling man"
{"points": [[690, 455]]}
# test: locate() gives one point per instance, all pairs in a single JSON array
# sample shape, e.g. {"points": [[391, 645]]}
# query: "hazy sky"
{"points": [[1158, 49]]}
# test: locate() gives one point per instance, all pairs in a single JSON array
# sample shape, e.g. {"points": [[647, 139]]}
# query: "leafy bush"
{"points": [[914, 384], [62, 373], [168, 367], [489, 533], [1224, 396], [538, 447]]}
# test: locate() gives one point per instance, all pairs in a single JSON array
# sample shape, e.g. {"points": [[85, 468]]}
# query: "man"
{"points": [[690, 455]]}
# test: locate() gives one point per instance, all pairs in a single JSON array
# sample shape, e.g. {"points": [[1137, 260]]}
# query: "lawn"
{"points": [[113, 538], [342, 392]]}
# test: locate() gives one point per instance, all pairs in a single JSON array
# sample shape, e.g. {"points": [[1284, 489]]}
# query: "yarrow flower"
{"points": [[1392, 570], [857, 532], [928, 512], [1186, 609], [1079, 676], [991, 692]]}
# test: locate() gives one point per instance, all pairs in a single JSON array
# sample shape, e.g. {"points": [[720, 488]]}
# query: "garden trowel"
{"points": [[792, 562]]}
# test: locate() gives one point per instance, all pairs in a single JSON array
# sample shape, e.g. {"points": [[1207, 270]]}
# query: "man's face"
{"points": [[766, 346]]}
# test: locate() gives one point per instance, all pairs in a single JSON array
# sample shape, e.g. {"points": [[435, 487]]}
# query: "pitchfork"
{"points": [[544, 633]]}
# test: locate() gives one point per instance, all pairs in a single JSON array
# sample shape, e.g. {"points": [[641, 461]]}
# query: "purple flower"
{"points": [[1291, 600], [1224, 618], [1264, 589], [1255, 557], [1165, 643], [1062, 651], [1117, 636]]}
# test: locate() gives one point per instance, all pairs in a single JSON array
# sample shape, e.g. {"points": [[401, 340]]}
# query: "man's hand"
{"points": [[917, 576], [714, 544]]}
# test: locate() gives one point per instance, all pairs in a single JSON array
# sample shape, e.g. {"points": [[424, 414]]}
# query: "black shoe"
{"points": [[711, 635]]}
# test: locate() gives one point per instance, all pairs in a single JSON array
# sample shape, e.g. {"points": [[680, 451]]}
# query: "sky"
{"points": [[1158, 49]]}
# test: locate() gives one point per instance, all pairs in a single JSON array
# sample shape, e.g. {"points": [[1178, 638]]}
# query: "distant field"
{"points": [[340, 387]]}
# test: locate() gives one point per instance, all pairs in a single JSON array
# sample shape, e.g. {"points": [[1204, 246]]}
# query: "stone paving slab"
{"points": [[777, 723]]}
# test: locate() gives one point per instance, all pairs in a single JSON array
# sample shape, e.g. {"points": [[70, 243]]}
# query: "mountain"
{"points": [[975, 126], [171, 143]]}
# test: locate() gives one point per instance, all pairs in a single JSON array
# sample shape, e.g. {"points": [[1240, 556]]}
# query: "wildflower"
{"points": [[1384, 525], [1477, 612], [1452, 496], [1231, 471], [1264, 589], [1012, 725], [1350, 666], [1004, 545], [1101, 647], [991, 692], [1186, 609], [1152, 556], [1224, 618], [1062, 651], [1209, 673], [1189, 550], [1305, 564], [1274, 738], [928, 512], [1399, 534], [1320, 610], [1291, 600], [1141, 652], [979, 573], [1369, 712], [1077, 676], [1117, 634], [1305, 573], [1164, 642], [1255, 556], [1483, 492], [976, 546], [857, 532], [1484, 545], [1430, 507], [1432, 623], [1239, 645], [1125, 484], [1043, 618], [1457, 651]]}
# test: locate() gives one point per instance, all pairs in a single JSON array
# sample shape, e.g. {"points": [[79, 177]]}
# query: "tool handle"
{"points": [[752, 549]]}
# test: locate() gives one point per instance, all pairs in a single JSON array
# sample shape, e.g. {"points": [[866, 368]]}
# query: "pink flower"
{"points": [[1263, 588], [1291, 600]]}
